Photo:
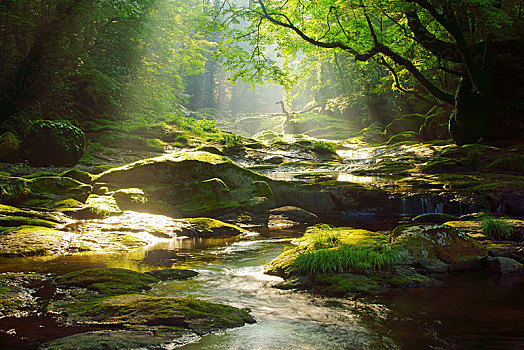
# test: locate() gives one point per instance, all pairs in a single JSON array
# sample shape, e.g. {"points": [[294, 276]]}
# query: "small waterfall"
{"points": [[419, 204]]}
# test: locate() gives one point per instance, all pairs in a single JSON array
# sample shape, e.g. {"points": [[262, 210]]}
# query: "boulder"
{"points": [[9, 148], [289, 217], [504, 265], [427, 245], [53, 143], [188, 183]]}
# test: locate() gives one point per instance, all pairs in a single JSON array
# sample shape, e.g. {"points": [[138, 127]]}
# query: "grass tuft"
{"points": [[344, 259], [322, 236], [497, 229]]}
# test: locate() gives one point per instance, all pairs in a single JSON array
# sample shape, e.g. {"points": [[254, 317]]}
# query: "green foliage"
{"points": [[344, 259], [14, 194], [497, 229], [232, 141], [324, 146], [322, 235]]}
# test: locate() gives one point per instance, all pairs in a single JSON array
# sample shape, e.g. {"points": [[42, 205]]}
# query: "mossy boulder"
{"points": [[15, 221], [95, 207], [53, 143], [78, 175], [9, 148], [51, 188], [189, 184], [180, 168], [108, 281], [434, 218], [136, 311], [10, 211], [37, 240], [60, 187], [31, 240], [207, 227], [289, 217], [432, 245]]}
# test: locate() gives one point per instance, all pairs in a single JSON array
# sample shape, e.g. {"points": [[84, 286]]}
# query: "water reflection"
{"points": [[316, 176]]}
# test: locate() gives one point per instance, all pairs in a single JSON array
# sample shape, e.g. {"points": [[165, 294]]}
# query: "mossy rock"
{"points": [[9, 148], [31, 240], [95, 207], [340, 285], [289, 217], [67, 204], [78, 175], [53, 143], [59, 187], [117, 340], [129, 198], [434, 218], [6, 210], [207, 227], [387, 168], [424, 244], [210, 149], [134, 310], [181, 170], [108, 281], [36, 240], [15, 221]]}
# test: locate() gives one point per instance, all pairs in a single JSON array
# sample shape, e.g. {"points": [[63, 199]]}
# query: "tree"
{"points": [[478, 42]]}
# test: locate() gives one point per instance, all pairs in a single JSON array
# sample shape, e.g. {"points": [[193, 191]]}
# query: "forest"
{"points": [[261, 174]]}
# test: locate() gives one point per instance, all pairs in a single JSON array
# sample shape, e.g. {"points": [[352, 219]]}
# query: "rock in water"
{"points": [[53, 143], [432, 245]]}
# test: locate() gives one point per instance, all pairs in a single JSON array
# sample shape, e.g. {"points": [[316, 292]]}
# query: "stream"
{"points": [[469, 311]]}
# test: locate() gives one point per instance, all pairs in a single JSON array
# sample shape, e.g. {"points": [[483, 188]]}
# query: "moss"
{"points": [[30, 240], [193, 314], [39, 174], [108, 281], [67, 204], [78, 175], [343, 284], [435, 218], [15, 221], [207, 227], [423, 242], [262, 189], [7, 210], [409, 278], [95, 207], [60, 186]]}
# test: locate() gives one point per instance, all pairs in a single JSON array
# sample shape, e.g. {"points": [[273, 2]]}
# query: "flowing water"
{"points": [[470, 311]]}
